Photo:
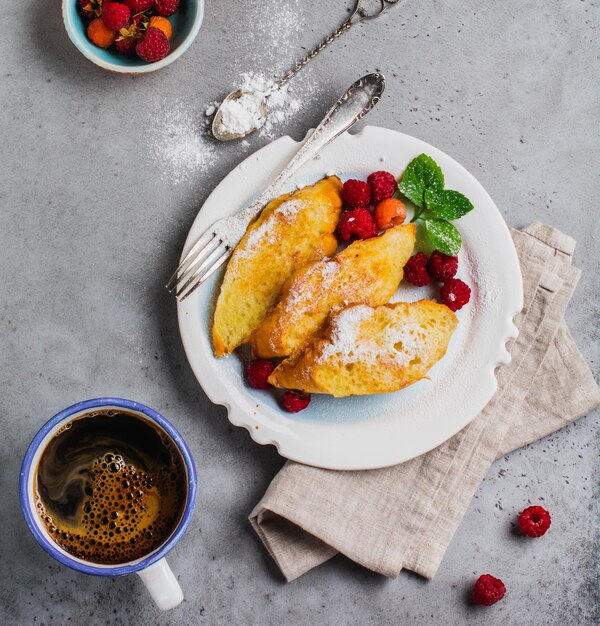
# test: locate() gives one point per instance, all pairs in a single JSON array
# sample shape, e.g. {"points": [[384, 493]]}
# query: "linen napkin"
{"points": [[404, 517]]}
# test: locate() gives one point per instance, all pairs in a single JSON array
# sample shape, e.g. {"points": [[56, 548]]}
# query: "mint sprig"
{"points": [[422, 173], [423, 184]]}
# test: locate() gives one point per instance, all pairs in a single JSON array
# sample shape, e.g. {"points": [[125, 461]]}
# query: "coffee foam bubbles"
{"points": [[114, 506]]}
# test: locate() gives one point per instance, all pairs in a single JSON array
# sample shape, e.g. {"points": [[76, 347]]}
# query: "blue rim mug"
{"points": [[152, 568]]}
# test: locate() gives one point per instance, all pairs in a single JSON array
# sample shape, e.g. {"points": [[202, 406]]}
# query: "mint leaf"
{"points": [[447, 204], [420, 174], [443, 236]]}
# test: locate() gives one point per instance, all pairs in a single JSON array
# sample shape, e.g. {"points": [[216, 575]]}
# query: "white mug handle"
{"points": [[162, 585]]}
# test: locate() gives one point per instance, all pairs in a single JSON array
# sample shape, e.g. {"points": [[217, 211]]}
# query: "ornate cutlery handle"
{"points": [[362, 96]]}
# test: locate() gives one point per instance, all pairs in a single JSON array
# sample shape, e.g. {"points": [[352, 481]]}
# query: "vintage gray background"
{"points": [[95, 209]]}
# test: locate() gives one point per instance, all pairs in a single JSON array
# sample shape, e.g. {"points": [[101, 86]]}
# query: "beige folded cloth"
{"points": [[403, 517]]}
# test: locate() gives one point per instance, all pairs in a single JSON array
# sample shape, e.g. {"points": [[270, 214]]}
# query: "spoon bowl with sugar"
{"points": [[243, 112]]}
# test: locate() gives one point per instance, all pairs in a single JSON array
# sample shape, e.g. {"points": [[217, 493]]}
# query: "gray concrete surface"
{"points": [[91, 225]]}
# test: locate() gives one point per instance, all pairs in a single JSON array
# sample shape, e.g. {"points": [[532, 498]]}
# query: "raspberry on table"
{"points": [[455, 294], [488, 590], [115, 15], [441, 267], [258, 372], [294, 402], [136, 6], [166, 7], [383, 185], [534, 521], [153, 46], [415, 270], [359, 222], [356, 193]]}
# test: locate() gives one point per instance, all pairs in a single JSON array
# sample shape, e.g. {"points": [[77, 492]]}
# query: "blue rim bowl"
{"points": [[26, 492], [186, 23]]}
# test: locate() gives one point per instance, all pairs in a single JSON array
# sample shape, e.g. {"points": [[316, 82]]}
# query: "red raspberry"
{"points": [[115, 15], [441, 266], [359, 222], [455, 293], [488, 590], [87, 8], [137, 6], [258, 372], [383, 185], [126, 45], [166, 7], [534, 521], [153, 46], [294, 402], [356, 193], [415, 270], [139, 21]]}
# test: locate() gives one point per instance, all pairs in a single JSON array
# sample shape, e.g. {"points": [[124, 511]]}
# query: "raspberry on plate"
{"points": [[115, 15], [534, 521], [441, 267], [488, 590], [294, 402], [383, 185], [455, 294], [153, 46], [136, 6], [389, 212], [359, 222], [356, 193], [415, 270], [258, 372], [166, 7]]}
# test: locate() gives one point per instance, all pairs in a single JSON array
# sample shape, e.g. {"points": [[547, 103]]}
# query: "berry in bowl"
{"points": [[132, 36]]}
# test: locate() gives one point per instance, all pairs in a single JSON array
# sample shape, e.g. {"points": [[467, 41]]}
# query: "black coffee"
{"points": [[111, 487]]}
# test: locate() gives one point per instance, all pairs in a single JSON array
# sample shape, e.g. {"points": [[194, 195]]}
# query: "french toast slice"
{"points": [[366, 350], [291, 230], [368, 271]]}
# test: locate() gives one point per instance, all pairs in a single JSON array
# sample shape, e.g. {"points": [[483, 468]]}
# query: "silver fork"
{"points": [[216, 245]]}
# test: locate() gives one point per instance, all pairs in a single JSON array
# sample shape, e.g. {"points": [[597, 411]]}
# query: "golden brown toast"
{"points": [[366, 350], [289, 232], [367, 272]]}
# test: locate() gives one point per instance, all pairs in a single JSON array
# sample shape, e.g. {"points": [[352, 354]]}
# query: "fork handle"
{"points": [[362, 96]]}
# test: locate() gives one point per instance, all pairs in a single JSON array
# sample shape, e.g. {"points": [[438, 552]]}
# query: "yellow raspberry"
{"points": [[163, 24], [99, 34]]}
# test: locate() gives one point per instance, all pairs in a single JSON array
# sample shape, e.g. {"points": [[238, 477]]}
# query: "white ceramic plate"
{"points": [[365, 432]]}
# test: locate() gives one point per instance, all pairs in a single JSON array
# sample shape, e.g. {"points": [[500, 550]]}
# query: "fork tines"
{"points": [[204, 258]]}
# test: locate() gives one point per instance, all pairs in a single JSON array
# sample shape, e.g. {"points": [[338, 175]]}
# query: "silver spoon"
{"points": [[217, 243], [219, 128]]}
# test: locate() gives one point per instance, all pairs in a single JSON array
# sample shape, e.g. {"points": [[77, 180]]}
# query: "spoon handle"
{"points": [[362, 96], [359, 14]]}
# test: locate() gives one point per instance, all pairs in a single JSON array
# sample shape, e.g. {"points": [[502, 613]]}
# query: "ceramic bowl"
{"points": [[186, 23]]}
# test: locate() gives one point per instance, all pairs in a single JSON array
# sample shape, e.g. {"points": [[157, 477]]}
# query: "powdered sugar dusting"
{"points": [[298, 300], [266, 233], [179, 141], [179, 132], [241, 115], [399, 342]]}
